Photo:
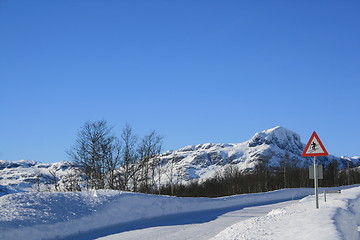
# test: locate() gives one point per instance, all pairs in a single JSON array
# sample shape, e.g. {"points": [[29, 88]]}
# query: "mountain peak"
{"points": [[281, 137], [276, 129]]}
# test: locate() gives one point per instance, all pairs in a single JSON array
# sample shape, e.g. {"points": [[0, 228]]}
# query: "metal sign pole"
{"points": [[314, 148], [316, 183]]}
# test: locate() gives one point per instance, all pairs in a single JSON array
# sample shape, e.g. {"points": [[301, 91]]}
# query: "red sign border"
{"points": [[314, 135]]}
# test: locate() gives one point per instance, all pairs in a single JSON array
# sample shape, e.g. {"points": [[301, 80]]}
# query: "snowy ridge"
{"points": [[203, 161], [281, 137]]}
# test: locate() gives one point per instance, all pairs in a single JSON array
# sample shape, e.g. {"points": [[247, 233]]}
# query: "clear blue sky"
{"points": [[194, 71]]}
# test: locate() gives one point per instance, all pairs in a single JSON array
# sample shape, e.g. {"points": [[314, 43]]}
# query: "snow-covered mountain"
{"points": [[198, 162], [203, 161], [29, 175]]}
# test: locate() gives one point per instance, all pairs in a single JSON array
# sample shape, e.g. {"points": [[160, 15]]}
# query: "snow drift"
{"points": [[53, 215], [58, 215]]}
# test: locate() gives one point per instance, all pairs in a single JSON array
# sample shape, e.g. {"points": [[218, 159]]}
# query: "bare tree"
{"points": [[37, 185], [72, 181], [287, 164], [149, 149], [113, 161], [53, 179], [170, 172], [96, 152], [159, 171], [135, 176], [262, 170], [128, 155]]}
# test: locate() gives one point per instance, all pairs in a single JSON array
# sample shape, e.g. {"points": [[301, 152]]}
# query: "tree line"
{"points": [[132, 164], [263, 178]]}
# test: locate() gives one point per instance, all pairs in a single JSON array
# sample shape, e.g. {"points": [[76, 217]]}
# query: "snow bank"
{"points": [[347, 218], [53, 215], [338, 218]]}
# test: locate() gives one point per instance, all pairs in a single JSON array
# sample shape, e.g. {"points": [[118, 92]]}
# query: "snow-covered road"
{"points": [[96, 214], [200, 225], [108, 214]]}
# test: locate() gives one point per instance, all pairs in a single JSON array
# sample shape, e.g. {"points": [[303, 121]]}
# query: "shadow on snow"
{"points": [[197, 217]]}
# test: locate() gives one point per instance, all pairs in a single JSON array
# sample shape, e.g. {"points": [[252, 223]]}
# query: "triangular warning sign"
{"points": [[314, 147]]}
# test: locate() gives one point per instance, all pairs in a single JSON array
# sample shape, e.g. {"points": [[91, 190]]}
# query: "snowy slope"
{"points": [[49, 215], [55, 215], [337, 218], [203, 161], [28, 175]]}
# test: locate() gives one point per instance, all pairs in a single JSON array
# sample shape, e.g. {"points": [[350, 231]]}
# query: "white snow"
{"points": [[200, 226], [23, 175], [192, 163], [50, 215], [338, 218], [58, 215]]}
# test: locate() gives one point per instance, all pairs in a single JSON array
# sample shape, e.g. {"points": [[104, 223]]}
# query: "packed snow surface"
{"points": [[58, 215], [51, 215], [200, 225], [337, 218]]}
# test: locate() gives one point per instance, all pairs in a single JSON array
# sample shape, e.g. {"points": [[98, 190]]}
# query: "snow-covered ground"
{"points": [[200, 225], [71, 215], [337, 218]]}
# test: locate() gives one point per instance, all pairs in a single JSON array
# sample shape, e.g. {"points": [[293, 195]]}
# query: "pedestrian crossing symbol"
{"points": [[314, 147]]}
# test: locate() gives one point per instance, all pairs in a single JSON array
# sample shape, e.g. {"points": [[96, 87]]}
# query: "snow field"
{"points": [[55, 215], [338, 218]]}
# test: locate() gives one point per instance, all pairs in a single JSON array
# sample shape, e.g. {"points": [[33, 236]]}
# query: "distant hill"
{"points": [[195, 162], [204, 160], [28, 175]]}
